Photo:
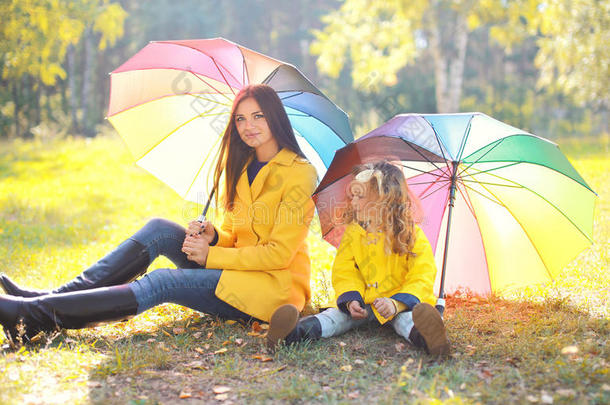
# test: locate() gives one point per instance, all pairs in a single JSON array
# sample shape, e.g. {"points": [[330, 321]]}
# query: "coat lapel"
{"points": [[266, 174], [243, 188]]}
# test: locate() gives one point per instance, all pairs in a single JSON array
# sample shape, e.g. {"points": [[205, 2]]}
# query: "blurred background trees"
{"points": [[541, 65]]}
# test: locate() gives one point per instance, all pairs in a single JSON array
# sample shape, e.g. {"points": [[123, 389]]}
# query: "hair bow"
{"points": [[366, 175]]}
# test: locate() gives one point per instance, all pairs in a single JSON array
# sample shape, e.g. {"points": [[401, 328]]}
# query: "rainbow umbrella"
{"points": [[502, 208], [171, 101]]}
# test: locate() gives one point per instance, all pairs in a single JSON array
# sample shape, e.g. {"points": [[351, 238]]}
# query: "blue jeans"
{"points": [[189, 285], [335, 322]]}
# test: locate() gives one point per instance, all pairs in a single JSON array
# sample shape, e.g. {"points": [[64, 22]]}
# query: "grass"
{"points": [[65, 203]]}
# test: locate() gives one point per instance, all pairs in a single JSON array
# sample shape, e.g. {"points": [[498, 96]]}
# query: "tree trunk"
{"points": [[448, 63], [17, 108], [87, 78], [71, 61]]}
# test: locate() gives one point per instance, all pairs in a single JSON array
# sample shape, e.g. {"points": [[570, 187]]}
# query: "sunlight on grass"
{"points": [[66, 203]]}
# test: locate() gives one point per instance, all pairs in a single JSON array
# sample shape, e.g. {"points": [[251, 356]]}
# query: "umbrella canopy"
{"points": [[502, 208], [171, 101]]}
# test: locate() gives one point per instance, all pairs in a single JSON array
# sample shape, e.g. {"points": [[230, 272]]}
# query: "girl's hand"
{"points": [[385, 307], [196, 248], [356, 311], [205, 229]]}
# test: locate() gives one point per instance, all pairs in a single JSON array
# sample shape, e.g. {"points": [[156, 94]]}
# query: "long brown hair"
{"points": [[393, 202], [234, 153]]}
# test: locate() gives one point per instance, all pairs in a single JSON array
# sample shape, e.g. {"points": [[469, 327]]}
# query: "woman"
{"points": [[255, 262]]}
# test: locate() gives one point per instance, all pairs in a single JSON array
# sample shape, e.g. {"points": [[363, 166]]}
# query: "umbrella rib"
{"points": [[424, 171], [523, 228], [517, 185], [463, 145], [487, 170], [202, 164], [429, 194], [177, 128], [203, 52], [223, 75], [421, 154], [212, 87], [498, 142]]}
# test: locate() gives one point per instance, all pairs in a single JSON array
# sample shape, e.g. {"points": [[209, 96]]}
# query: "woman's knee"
{"points": [[163, 225]]}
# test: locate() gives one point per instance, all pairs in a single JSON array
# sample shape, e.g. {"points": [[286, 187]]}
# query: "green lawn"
{"points": [[65, 203]]}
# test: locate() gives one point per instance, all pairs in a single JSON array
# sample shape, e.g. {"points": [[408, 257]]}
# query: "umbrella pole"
{"points": [[201, 217], [440, 305]]}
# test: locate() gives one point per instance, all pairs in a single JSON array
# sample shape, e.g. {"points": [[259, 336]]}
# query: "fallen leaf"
{"points": [[342, 344], [230, 322], [178, 331], [199, 350], [359, 362], [165, 332], [606, 387], [254, 334], [221, 351], [151, 340], [569, 350], [399, 347], [262, 358], [256, 327], [226, 342], [353, 394], [197, 335], [206, 346], [531, 398], [470, 350], [567, 392], [209, 335], [184, 395], [239, 341], [546, 398], [382, 362], [220, 389], [265, 326], [196, 364], [222, 397], [347, 368]]}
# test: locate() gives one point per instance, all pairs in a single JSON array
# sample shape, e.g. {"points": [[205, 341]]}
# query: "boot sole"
{"points": [[430, 325], [282, 322]]}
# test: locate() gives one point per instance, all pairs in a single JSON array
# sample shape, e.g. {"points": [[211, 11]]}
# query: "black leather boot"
{"points": [[285, 325], [23, 318], [124, 264], [428, 331]]}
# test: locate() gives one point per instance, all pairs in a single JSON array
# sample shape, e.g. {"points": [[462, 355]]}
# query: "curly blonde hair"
{"points": [[393, 204]]}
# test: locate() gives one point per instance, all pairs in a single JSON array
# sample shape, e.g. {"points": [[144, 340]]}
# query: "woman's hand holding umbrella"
{"points": [[196, 248], [205, 229]]}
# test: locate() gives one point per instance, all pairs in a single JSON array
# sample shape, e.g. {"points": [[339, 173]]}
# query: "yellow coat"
{"points": [[362, 266], [261, 244]]}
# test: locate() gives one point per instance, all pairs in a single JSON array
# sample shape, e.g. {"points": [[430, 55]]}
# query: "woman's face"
{"points": [[253, 129]]}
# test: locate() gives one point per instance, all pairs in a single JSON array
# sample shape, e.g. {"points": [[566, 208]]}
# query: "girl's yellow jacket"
{"points": [[362, 266], [261, 245]]}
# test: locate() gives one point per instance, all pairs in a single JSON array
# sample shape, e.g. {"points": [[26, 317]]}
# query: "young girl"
{"points": [[384, 270]]}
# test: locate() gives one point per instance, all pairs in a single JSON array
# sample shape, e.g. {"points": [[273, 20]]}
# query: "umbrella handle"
{"points": [[201, 217]]}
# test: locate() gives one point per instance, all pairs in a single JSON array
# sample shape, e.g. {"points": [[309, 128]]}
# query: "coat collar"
{"points": [[249, 193]]}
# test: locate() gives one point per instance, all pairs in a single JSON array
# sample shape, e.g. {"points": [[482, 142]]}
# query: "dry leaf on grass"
{"points": [[184, 395], [262, 358], [221, 351], [399, 347], [178, 331], [347, 368], [353, 395], [220, 389]]}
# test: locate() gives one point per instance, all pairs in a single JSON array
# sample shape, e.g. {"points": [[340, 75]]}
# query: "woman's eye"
{"points": [[258, 116], [237, 119]]}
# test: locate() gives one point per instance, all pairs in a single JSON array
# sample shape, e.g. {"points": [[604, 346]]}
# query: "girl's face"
{"points": [[253, 129], [362, 201]]}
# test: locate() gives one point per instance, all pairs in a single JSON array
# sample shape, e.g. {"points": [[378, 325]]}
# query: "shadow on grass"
{"points": [[503, 352]]}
